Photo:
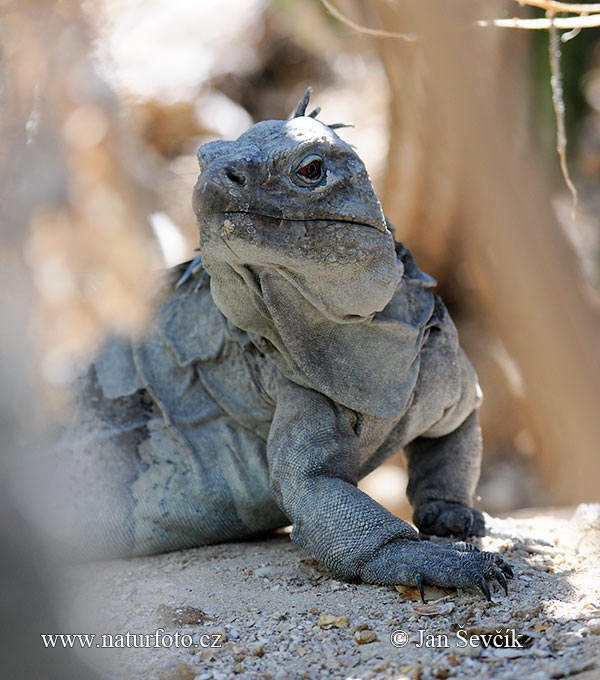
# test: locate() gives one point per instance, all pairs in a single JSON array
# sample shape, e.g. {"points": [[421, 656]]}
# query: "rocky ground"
{"points": [[265, 609]]}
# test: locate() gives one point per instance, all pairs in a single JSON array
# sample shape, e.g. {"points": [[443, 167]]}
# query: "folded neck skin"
{"points": [[294, 239]]}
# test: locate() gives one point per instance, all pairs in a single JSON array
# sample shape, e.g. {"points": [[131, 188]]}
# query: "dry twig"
{"points": [[545, 23], [334, 11], [555, 6], [559, 111]]}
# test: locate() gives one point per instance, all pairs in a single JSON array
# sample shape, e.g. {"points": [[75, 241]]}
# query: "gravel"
{"points": [[264, 609]]}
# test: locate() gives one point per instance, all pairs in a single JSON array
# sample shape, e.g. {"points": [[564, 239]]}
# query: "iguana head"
{"points": [[292, 196], [292, 170], [298, 252]]}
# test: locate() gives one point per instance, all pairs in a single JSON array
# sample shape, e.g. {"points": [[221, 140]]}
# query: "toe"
{"points": [[420, 587], [499, 576], [467, 524], [481, 583]]}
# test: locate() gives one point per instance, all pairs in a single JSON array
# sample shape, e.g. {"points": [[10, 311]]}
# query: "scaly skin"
{"points": [[296, 354]]}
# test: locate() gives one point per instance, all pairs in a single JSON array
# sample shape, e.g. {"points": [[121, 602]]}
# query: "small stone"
{"points": [[267, 571], [259, 651], [362, 626], [571, 640], [333, 621], [184, 615], [434, 608], [383, 666], [594, 626], [363, 637], [413, 668]]}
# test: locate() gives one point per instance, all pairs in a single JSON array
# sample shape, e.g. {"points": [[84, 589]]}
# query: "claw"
{"points": [[485, 589], [499, 576], [420, 587], [499, 562], [467, 524], [506, 568]]}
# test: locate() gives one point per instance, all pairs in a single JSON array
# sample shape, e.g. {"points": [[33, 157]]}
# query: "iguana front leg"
{"points": [[313, 462], [443, 472]]}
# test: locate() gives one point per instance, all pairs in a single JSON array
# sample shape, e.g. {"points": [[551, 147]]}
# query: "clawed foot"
{"points": [[421, 563], [440, 518], [486, 566]]}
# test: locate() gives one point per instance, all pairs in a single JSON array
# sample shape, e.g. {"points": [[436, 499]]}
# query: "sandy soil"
{"points": [[272, 612]]}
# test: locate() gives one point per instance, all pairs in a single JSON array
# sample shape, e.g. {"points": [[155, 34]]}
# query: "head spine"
{"points": [[303, 105]]}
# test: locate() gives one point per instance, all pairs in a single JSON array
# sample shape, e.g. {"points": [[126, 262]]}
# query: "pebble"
{"points": [[268, 571], [304, 643], [333, 621], [571, 640], [594, 626], [363, 637]]}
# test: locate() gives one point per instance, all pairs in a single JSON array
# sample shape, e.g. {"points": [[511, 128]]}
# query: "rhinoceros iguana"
{"points": [[299, 351]]}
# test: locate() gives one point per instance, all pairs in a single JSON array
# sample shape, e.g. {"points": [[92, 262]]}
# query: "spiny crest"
{"points": [[303, 105]]}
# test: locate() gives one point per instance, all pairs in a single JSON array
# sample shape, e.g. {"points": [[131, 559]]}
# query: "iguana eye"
{"points": [[311, 169]]}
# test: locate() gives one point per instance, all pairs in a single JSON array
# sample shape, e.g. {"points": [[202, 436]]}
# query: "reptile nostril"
{"points": [[234, 176]]}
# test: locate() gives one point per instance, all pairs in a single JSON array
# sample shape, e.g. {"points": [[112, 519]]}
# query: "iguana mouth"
{"points": [[229, 213]]}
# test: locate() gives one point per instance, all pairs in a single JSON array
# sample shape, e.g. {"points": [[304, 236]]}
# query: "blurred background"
{"points": [[104, 104]]}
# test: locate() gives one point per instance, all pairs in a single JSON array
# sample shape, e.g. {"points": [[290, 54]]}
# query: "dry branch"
{"points": [[559, 112], [335, 12], [554, 6], [545, 23]]}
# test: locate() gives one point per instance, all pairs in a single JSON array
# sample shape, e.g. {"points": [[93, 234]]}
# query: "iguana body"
{"points": [[304, 350]]}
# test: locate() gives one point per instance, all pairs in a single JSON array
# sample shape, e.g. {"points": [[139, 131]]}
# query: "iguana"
{"points": [[297, 353]]}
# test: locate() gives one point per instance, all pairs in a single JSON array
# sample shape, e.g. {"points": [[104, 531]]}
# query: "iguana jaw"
{"points": [[231, 214], [346, 270]]}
